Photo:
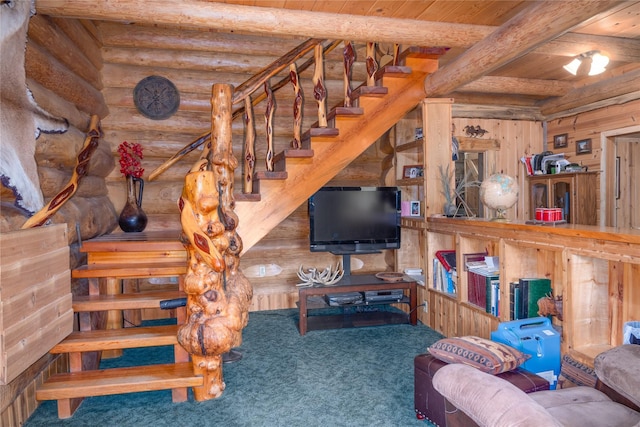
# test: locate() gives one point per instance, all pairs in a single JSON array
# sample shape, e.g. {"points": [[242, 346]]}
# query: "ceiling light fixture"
{"points": [[598, 63]]}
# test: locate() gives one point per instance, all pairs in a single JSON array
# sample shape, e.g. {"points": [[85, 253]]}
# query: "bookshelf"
{"points": [[425, 150], [596, 270]]}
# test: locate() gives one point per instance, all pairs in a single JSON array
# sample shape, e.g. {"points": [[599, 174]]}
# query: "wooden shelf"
{"points": [[356, 320], [413, 145], [415, 223], [595, 269], [410, 181]]}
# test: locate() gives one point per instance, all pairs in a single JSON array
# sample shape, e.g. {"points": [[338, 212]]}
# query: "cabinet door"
{"points": [[562, 198], [539, 196]]}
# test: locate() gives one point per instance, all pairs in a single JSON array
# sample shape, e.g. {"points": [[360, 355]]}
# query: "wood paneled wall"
{"points": [[591, 125], [516, 138]]}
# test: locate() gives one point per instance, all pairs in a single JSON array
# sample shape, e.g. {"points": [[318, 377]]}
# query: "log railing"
{"points": [[248, 95]]}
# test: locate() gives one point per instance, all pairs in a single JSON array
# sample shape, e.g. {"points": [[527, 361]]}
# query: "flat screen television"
{"points": [[351, 220]]}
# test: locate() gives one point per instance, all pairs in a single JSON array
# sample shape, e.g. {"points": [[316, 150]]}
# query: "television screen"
{"points": [[347, 220]]}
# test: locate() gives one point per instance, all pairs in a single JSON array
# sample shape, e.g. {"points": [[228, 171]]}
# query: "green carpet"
{"points": [[342, 377]]}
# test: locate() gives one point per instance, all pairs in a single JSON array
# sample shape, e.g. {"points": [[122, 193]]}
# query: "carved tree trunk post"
{"points": [[82, 163], [396, 53], [297, 106], [249, 146], [349, 55], [371, 63], [218, 294], [319, 91], [268, 119]]}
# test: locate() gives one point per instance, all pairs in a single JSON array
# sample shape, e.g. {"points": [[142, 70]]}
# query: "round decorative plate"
{"points": [[156, 97], [390, 277]]}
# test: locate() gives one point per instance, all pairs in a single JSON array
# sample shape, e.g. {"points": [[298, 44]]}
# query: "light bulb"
{"points": [[598, 64], [573, 66]]}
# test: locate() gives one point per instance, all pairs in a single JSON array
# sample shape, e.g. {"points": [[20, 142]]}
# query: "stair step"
{"points": [[137, 270], [105, 382], [130, 301], [344, 111], [280, 159], [373, 91], [423, 52], [247, 197], [115, 339], [393, 71], [266, 175], [316, 131]]}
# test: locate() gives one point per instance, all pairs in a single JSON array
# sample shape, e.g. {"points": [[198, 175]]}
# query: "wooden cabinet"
{"points": [[574, 193], [596, 271]]}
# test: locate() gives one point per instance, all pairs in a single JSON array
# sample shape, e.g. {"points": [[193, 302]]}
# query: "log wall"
{"points": [[194, 61], [63, 68]]}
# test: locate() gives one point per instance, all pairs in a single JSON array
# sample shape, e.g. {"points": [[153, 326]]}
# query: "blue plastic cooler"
{"points": [[534, 336]]}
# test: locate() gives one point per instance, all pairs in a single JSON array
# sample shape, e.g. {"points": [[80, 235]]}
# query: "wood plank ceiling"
{"points": [[505, 57]]}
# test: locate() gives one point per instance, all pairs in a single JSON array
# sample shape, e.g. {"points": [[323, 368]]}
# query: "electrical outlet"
{"points": [[425, 306]]}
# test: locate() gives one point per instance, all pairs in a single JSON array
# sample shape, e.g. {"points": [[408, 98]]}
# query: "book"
{"points": [[474, 259], [514, 301], [492, 287], [447, 259], [443, 280], [477, 289], [532, 289]]}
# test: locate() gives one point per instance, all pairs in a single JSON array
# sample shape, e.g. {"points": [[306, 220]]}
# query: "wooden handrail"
{"points": [[237, 113], [258, 80]]}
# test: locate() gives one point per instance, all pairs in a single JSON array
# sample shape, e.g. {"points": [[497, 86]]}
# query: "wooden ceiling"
{"points": [[505, 57]]}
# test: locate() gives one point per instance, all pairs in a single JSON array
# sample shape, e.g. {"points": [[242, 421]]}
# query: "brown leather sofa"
{"points": [[430, 404]]}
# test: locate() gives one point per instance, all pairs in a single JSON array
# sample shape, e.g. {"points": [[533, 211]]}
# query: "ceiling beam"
{"points": [[520, 86], [572, 44], [266, 20], [534, 26], [621, 85], [195, 14]]}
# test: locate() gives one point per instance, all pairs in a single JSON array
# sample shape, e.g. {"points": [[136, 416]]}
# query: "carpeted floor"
{"points": [[343, 377]]}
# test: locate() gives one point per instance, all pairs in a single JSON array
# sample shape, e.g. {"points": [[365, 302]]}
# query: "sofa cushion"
{"points": [[585, 407], [619, 368], [486, 355], [488, 399]]}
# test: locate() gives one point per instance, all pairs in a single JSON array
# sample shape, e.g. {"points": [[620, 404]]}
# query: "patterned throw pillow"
{"points": [[486, 355]]}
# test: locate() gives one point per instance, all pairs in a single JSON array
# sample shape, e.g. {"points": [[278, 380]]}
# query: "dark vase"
{"points": [[132, 218]]}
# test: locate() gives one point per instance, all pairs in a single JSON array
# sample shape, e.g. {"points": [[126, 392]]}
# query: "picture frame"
{"points": [[560, 141], [415, 208], [583, 146], [412, 171]]}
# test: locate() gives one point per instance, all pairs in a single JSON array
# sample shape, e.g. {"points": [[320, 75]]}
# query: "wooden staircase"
{"points": [[298, 174], [85, 347], [326, 151]]}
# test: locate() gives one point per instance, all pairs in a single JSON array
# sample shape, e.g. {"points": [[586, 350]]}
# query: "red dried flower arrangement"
{"points": [[130, 158]]}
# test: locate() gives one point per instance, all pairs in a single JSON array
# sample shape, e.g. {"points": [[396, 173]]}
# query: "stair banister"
{"points": [[237, 113]]}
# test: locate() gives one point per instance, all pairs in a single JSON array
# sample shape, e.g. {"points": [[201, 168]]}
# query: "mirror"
{"points": [[469, 175]]}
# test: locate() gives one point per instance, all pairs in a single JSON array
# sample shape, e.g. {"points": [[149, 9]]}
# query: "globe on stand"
{"points": [[499, 192]]}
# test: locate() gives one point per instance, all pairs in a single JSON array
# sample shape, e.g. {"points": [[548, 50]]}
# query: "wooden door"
{"points": [[627, 182]]}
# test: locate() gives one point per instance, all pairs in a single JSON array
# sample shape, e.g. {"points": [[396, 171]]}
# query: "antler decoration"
{"points": [[326, 277]]}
